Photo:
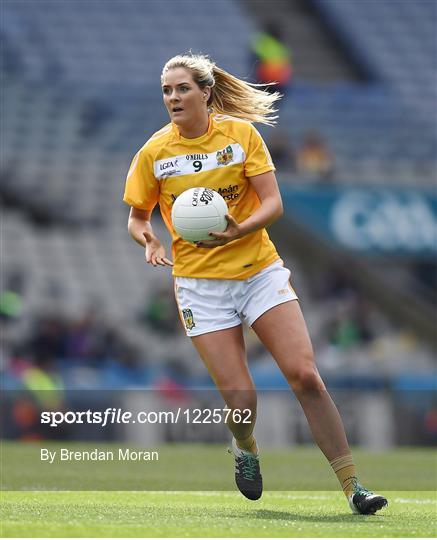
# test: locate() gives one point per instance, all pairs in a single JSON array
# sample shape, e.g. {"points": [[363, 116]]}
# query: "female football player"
{"points": [[237, 276]]}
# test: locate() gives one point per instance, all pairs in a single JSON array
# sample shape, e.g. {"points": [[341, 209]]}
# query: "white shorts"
{"points": [[207, 305]]}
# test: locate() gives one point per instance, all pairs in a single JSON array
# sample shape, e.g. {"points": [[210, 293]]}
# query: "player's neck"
{"points": [[196, 128]]}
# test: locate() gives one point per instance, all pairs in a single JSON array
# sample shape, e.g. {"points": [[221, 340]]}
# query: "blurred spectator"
{"points": [[273, 59], [160, 313], [350, 326], [331, 284], [349, 319], [424, 279], [10, 305], [314, 159], [11, 302], [281, 150], [85, 337], [48, 339], [430, 423], [54, 338]]}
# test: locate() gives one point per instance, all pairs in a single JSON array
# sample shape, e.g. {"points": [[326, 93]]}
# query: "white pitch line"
{"points": [[283, 496], [272, 495], [415, 501], [233, 494]]}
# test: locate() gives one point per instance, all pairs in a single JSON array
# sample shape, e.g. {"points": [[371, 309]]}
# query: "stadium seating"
{"points": [[396, 38], [87, 45], [81, 94], [396, 41], [101, 87]]}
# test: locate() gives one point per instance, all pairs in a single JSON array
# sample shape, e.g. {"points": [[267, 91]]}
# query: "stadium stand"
{"points": [[379, 128], [315, 54], [87, 46], [81, 94], [396, 41]]}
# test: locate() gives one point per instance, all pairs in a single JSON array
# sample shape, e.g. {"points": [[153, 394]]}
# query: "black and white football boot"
{"points": [[363, 501], [247, 472]]}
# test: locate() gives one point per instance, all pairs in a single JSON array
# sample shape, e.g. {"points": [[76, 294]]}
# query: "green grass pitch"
{"points": [[210, 514], [302, 511]]}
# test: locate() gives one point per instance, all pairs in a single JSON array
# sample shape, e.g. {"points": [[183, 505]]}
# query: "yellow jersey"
{"points": [[222, 159]]}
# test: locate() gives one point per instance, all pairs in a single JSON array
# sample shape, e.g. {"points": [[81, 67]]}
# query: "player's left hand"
{"points": [[232, 232]]}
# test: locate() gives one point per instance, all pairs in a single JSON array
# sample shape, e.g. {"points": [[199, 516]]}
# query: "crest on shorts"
{"points": [[188, 319], [225, 156]]}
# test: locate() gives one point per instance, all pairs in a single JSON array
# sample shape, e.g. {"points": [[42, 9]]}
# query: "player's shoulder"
{"points": [[159, 139], [239, 130], [231, 124]]}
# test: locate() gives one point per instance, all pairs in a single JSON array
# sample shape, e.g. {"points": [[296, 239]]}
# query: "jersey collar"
{"points": [[197, 139]]}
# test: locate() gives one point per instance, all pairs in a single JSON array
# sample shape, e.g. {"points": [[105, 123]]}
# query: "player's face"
{"points": [[184, 100]]}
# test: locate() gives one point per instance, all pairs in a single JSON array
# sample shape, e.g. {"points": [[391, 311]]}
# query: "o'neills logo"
{"points": [[225, 156], [204, 196], [196, 157]]}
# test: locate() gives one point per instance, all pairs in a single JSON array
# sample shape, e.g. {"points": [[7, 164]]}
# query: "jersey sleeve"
{"points": [[142, 188], [258, 159]]}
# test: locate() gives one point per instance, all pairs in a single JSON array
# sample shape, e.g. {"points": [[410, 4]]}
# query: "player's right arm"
{"points": [[141, 230], [141, 193]]}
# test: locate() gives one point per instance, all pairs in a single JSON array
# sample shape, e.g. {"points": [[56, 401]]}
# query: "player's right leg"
{"points": [[208, 313], [224, 355]]}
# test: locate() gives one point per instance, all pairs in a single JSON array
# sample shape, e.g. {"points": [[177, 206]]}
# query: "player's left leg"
{"points": [[283, 331]]}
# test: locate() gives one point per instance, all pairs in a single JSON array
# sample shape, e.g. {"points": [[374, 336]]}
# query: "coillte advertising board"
{"points": [[368, 220]]}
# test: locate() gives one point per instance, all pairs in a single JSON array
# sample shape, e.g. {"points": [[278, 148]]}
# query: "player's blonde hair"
{"points": [[229, 95]]}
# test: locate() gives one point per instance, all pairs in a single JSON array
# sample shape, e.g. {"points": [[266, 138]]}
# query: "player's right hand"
{"points": [[155, 251]]}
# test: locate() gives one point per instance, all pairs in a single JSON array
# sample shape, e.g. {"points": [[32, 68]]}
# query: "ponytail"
{"points": [[229, 95]]}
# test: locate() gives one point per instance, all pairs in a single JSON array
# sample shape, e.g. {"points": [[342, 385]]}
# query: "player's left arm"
{"points": [[266, 187]]}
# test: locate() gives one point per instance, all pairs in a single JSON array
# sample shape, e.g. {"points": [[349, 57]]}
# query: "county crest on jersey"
{"points": [[223, 159]]}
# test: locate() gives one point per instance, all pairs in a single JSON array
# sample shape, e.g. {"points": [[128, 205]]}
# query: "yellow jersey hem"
{"points": [[133, 203], [262, 170], [245, 275]]}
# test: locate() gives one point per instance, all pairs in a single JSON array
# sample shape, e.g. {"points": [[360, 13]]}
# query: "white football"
{"points": [[197, 212]]}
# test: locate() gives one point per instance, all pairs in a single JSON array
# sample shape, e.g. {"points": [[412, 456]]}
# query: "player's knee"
{"points": [[306, 378]]}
